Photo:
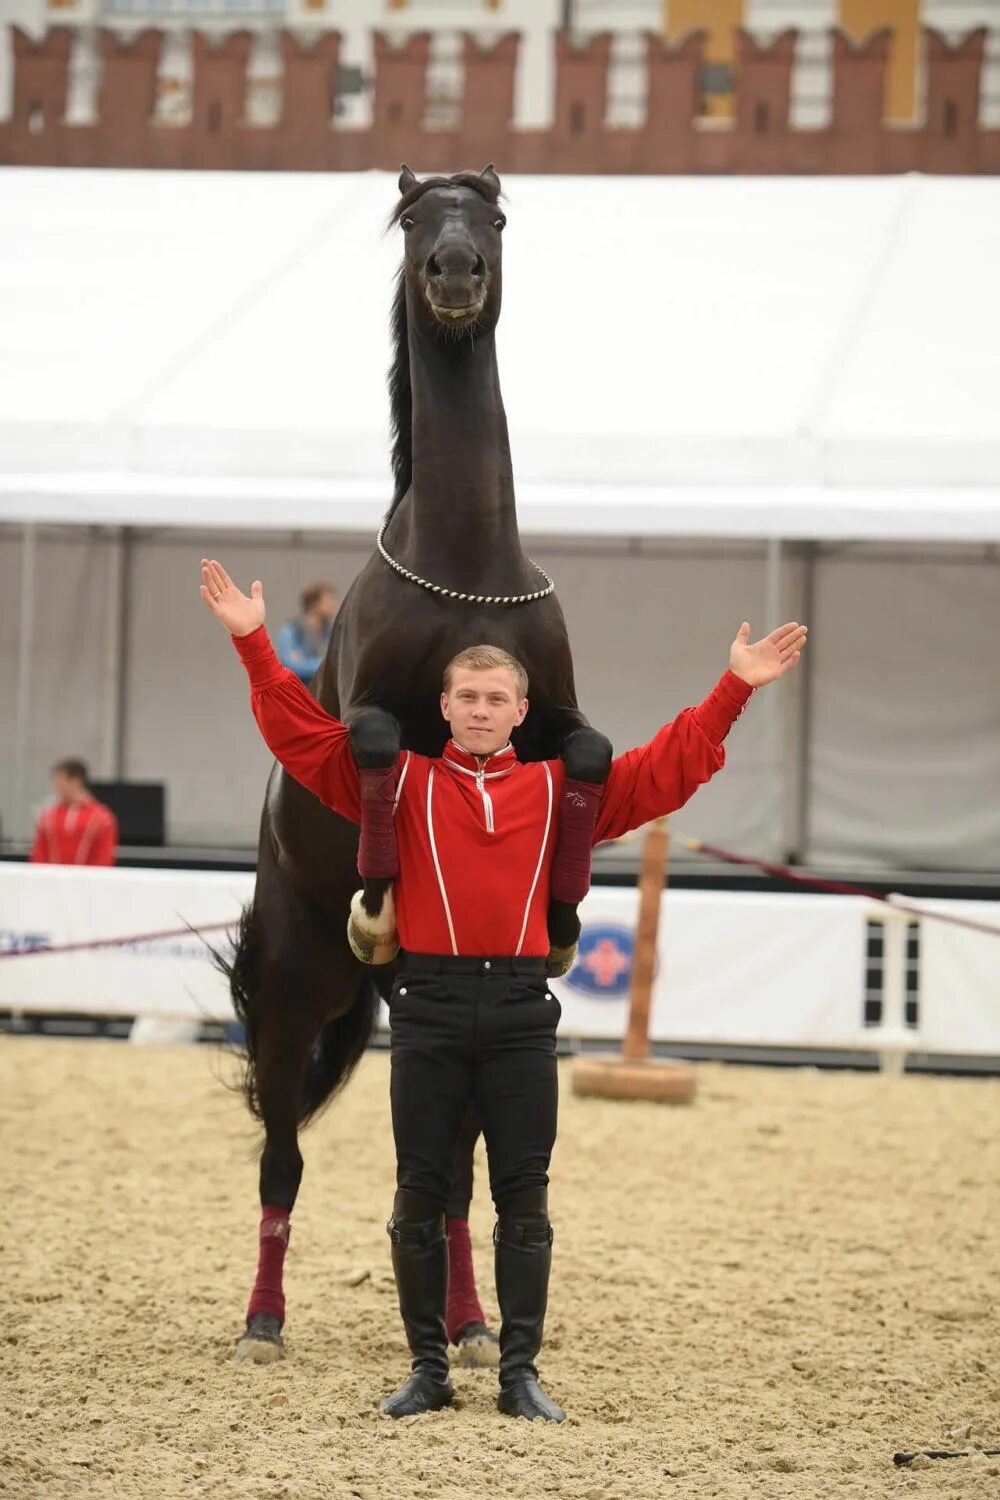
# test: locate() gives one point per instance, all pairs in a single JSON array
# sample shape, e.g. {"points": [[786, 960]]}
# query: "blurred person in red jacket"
{"points": [[76, 829]]}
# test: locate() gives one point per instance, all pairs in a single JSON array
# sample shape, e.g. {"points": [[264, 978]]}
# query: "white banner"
{"points": [[732, 967], [747, 968], [48, 905], [960, 980], [736, 967]]}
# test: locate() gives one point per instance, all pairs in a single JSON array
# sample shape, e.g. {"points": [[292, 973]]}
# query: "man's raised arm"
{"points": [[312, 746], [658, 778]]}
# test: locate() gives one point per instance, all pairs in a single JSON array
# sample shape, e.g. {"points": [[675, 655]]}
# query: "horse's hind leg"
{"points": [[284, 1039], [312, 1012], [476, 1343]]}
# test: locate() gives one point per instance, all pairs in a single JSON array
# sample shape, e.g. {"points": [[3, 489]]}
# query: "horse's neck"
{"points": [[458, 524]]}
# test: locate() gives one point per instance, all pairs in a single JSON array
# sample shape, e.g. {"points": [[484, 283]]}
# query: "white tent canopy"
{"points": [[788, 358]]}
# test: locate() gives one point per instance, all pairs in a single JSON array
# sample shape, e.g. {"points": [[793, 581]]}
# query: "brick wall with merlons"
{"points": [[672, 138]]}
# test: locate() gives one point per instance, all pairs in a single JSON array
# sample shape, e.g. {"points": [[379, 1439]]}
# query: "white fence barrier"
{"points": [[732, 967], [48, 905], [960, 980], [739, 968]]}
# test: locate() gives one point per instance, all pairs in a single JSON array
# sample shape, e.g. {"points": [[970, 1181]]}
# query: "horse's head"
{"points": [[452, 263]]}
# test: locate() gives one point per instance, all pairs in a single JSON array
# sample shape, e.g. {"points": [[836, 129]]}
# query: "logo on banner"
{"points": [[24, 942], [604, 963]]}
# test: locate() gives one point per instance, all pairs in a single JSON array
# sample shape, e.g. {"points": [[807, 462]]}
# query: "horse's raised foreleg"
{"points": [[587, 758], [375, 744]]}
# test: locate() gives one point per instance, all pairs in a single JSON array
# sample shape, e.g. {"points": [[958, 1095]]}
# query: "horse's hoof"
{"points": [[477, 1348], [373, 940], [559, 961], [262, 1343]]}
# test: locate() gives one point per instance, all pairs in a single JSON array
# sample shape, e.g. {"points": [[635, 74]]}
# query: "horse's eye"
{"points": [[499, 223], [406, 222]]}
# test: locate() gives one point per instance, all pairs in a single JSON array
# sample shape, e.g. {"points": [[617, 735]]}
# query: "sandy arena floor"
{"points": [[762, 1296]]}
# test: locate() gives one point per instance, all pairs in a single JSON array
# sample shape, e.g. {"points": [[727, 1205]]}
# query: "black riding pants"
{"points": [[481, 1030]]}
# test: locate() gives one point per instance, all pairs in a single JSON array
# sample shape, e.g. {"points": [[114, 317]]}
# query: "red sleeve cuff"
{"points": [[723, 706], [258, 656]]}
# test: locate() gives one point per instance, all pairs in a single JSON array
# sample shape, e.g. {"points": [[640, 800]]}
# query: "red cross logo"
{"points": [[605, 962]]}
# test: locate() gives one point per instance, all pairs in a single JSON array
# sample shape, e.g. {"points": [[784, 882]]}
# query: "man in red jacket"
{"points": [[76, 829], [471, 1012]]}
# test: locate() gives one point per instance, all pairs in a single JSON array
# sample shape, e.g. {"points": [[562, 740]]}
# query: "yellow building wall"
{"points": [[859, 18], [721, 19]]}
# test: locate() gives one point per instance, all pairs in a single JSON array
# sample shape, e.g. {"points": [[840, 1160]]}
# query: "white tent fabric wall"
{"points": [[667, 621], [66, 676], [905, 732]]}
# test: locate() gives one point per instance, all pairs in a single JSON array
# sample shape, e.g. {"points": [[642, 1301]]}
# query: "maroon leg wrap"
{"points": [[578, 806], [267, 1295], [464, 1306], [378, 858]]}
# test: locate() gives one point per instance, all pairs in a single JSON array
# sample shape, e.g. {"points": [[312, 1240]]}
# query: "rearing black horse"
{"points": [[449, 573]]}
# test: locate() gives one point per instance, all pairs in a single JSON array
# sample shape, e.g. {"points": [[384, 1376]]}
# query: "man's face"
{"points": [[66, 788], [482, 708]]}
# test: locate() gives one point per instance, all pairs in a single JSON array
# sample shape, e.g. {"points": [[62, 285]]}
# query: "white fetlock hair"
{"points": [[373, 940], [560, 960]]}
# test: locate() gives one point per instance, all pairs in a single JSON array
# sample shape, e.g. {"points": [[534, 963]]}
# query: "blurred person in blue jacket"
{"points": [[302, 642]]}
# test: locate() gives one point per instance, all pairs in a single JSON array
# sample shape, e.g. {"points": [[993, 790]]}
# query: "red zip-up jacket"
{"points": [[476, 834], [77, 833]]}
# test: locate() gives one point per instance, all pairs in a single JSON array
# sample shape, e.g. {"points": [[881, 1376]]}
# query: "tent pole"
{"points": [[773, 616], [773, 585], [122, 664], [113, 637], [25, 651], [798, 716]]}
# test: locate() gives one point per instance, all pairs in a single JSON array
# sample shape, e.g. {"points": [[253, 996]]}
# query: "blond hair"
{"points": [[485, 659]]}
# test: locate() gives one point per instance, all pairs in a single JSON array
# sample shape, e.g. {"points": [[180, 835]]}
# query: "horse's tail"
{"points": [[337, 1049], [239, 967]]}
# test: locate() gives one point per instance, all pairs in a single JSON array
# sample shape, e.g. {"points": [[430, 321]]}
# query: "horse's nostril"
{"points": [[433, 266], [479, 267]]}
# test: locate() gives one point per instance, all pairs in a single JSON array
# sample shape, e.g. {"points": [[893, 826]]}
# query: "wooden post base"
{"points": [[663, 1080]]}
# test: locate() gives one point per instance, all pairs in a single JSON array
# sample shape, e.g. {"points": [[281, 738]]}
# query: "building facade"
{"points": [[605, 76]]}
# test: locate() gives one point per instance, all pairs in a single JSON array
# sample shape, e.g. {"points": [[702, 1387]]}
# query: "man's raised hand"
{"points": [[240, 615], [766, 660]]}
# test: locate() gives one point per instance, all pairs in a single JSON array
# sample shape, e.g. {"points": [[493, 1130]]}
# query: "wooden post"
{"points": [[634, 1074], [655, 858]]}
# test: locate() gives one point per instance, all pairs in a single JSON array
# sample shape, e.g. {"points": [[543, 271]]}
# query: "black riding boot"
{"points": [[523, 1254], [420, 1261]]}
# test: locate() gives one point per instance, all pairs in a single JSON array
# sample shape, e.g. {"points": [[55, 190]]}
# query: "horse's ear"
{"points": [[407, 179], [488, 174]]}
